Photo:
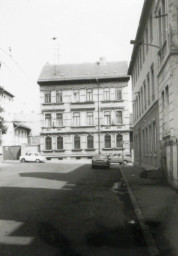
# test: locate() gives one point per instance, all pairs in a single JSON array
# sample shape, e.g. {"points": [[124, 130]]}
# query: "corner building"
{"points": [[154, 71], [84, 109]]}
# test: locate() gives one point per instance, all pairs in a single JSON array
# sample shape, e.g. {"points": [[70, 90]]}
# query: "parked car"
{"points": [[32, 157], [120, 158], [100, 160]]}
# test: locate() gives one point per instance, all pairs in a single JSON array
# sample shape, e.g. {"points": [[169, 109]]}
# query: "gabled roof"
{"points": [[21, 125], [83, 71], [3, 91]]}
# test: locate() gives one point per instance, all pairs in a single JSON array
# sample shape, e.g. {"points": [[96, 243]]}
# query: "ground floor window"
{"points": [[59, 142], [119, 140], [48, 143], [107, 141], [76, 142], [89, 141]]}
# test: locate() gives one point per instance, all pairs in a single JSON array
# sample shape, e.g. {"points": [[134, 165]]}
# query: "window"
{"points": [[143, 52], [58, 96], [141, 93], [163, 110], [48, 143], [89, 141], [118, 94], [47, 98], [48, 120], [76, 95], [59, 119], [107, 117], [148, 87], [164, 20], [154, 137], [106, 94], [59, 142], [107, 141], [146, 38], [119, 117], [76, 119], [160, 28], [167, 96], [145, 96], [152, 81], [89, 94], [76, 142], [151, 28], [119, 141], [150, 140], [89, 118]]}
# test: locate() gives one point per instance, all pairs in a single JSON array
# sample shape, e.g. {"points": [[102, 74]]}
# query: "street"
{"points": [[54, 209]]}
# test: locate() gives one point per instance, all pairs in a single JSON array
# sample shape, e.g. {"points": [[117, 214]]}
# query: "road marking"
{"points": [[7, 227]]}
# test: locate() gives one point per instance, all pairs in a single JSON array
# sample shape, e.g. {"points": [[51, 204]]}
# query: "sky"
{"points": [[84, 31]]}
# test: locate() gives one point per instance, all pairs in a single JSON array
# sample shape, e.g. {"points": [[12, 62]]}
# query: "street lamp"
{"points": [[138, 43]]}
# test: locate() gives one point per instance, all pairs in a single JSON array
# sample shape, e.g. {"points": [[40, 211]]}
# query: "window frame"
{"points": [[48, 143], [49, 120], [78, 141], [107, 139], [90, 140], [59, 140]]}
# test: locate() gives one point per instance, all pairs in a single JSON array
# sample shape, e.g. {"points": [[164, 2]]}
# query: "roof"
{"points": [[83, 71], [139, 35], [21, 125], [3, 91]]}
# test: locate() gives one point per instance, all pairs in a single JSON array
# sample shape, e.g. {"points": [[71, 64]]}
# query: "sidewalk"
{"points": [[159, 207]]}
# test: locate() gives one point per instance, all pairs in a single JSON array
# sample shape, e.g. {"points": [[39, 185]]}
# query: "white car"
{"points": [[32, 157]]}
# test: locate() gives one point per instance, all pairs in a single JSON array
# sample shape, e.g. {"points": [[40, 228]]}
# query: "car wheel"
{"points": [[37, 161], [23, 160], [125, 162]]}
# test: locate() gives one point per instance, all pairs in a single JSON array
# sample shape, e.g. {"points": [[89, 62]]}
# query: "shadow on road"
{"points": [[55, 238]]}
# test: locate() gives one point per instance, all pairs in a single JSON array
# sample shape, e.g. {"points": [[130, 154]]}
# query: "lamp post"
{"points": [[138, 43]]}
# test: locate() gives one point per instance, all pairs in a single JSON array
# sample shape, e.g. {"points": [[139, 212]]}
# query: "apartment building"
{"points": [[154, 71], [84, 109]]}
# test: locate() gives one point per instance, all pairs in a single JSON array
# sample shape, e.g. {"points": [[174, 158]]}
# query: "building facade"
{"points": [[84, 109], [154, 71]]}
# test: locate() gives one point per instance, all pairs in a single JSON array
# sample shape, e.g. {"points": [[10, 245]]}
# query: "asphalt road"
{"points": [[54, 209]]}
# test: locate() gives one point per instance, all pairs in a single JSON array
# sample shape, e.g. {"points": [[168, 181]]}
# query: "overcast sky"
{"points": [[85, 30]]}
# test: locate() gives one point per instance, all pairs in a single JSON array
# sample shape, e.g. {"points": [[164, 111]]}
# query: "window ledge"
{"points": [[82, 102], [46, 151], [110, 101], [59, 150], [90, 149], [53, 127], [83, 126], [53, 103], [76, 150]]}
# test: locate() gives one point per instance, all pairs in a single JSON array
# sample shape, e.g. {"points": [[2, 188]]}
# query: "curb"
{"points": [[152, 247]]}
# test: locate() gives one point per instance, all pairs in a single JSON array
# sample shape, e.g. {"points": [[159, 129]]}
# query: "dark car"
{"points": [[100, 160]]}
